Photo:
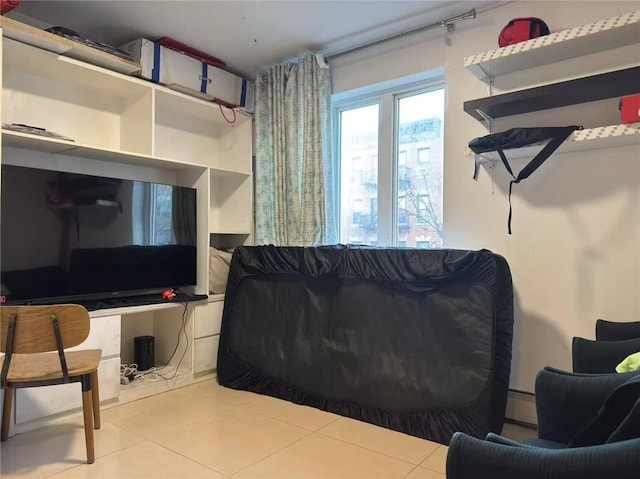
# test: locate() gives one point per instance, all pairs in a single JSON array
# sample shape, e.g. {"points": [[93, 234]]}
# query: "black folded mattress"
{"points": [[418, 341]]}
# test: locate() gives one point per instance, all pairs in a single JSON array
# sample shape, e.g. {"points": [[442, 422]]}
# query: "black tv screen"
{"points": [[71, 237]]}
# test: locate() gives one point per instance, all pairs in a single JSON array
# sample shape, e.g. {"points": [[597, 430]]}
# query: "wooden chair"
{"points": [[28, 337]]}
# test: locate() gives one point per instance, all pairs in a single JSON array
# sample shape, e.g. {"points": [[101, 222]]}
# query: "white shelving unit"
{"points": [[121, 120], [14, 139], [602, 35], [125, 127]]}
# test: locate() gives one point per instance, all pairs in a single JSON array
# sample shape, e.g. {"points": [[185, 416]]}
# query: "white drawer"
{"points": [[206, 354], [208, 318], [34, 403], [104, 334]]}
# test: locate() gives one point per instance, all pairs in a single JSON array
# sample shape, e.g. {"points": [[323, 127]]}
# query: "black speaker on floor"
{"points": [[143, 352]]}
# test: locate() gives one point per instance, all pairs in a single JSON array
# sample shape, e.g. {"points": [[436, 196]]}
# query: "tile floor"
{"points": [[207, 431]]}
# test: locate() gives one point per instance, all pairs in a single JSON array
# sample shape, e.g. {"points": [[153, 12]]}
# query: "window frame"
{"points": [[387, 96]]}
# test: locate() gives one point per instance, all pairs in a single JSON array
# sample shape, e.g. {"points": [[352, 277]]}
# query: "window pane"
{"points": [[359, 175], [419, 173], [161, 210]]}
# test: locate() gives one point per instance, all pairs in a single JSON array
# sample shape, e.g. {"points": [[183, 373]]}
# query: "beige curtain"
{"points": [[293, 167]]}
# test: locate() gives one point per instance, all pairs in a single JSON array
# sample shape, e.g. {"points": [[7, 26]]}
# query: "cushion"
{"points": [[629, 364], [219, 262]]}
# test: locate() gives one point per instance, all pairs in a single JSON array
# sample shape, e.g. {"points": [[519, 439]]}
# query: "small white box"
{"points": [[188, 75]]}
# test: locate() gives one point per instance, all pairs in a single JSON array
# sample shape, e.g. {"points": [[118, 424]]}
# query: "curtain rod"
{"points": [[449, 23]]}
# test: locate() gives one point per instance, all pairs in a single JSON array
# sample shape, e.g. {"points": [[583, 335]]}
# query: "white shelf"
{"points": [[588, 139], [14, 139], [231, 232], [197, 108], [18, 57], [144, 387], [226, 173], [124, 310], [60, 45], [602, 35]]}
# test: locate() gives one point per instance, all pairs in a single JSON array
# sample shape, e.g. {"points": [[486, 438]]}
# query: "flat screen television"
{"points": [[78, 238]]}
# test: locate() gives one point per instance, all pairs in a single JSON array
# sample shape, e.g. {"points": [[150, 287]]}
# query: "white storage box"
{"points": [[188, 75]]}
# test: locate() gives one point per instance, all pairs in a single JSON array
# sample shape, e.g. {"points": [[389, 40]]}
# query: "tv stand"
{"points": [[193, 327], [140, 300]]}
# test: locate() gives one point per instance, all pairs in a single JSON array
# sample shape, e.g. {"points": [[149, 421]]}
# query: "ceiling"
{"points": [[247, 35]]}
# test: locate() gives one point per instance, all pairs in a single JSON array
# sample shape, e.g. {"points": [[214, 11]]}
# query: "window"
{"points": [[357, 212], [400, 128], [358, 139], [152, 214], [423, 244], [422, 209], [424, 155], [403, 214]]}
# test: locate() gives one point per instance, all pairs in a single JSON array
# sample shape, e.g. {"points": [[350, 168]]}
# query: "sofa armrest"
{"points": [[471, 458]]}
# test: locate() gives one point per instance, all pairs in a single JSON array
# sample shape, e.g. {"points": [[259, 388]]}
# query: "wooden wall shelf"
{"points": [[581, 90]]}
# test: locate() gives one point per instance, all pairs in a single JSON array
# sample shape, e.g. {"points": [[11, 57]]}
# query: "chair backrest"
{"points": [[613, 331], [598, 357], [34, 331]]}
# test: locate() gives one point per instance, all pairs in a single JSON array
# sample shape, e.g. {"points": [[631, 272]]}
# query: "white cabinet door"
{"points": [[35, 403], [208, 319], [206, 354], [104, 334]]}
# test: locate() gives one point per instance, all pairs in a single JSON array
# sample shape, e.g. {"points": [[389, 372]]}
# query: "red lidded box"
{"points": [[630, 109]]}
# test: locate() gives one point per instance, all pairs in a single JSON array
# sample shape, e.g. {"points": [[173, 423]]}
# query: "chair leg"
{"points": [[95, 395], [9, 394], [87, 409]]}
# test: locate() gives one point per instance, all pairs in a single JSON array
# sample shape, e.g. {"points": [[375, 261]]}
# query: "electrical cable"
{"points": [[130, 371], [182, 330], [225, 116]]}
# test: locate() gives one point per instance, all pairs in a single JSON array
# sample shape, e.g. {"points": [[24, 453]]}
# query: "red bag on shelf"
{"points": [[630, 109], [522, 29], [8, 5]]}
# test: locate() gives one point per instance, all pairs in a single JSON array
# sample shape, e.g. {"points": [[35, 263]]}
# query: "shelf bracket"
{"points": [[488, 121], [488, 77]]}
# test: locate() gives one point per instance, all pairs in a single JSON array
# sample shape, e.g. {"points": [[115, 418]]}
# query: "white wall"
{"points": [[575, 249]]}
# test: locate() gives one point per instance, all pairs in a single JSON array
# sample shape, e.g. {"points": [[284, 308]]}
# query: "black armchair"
{"points": [[589, 428]]}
